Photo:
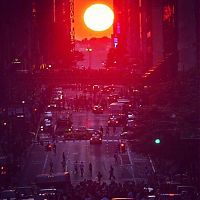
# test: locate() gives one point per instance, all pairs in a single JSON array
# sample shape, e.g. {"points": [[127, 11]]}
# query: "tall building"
{"points": [[132, 33], [15, 33], [15, 37], [188, 34], [53, 31], [34, 34]]}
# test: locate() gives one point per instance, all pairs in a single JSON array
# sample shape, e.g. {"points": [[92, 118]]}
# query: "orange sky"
{"points": [[81, 31]]}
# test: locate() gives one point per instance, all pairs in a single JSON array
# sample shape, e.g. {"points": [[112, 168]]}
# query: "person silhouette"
{"points": [[51, 166], [81, 168], [90, 168], [111, 172], [99, 176]]}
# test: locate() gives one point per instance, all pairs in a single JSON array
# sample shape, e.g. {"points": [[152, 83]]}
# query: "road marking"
{"points": [[45, 162], [152, 165], [72, 141], [129, 156]]}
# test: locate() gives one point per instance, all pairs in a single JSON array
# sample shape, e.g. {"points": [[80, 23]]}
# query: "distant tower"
{"points": [[72, 32]]}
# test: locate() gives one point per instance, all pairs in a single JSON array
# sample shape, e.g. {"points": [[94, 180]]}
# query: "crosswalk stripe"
{"points": [[110, 140]]}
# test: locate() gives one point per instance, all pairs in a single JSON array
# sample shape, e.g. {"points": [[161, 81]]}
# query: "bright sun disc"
{"points": [[98, 17]]}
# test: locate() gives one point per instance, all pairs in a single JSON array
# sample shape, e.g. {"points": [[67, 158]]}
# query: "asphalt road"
{"points": [[129, 166]]}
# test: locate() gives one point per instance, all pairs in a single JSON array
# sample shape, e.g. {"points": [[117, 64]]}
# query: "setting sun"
{"points": [[98, 17]]}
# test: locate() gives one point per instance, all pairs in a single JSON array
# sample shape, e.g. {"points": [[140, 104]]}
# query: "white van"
{"points": [[59, 180], [116, 108]]}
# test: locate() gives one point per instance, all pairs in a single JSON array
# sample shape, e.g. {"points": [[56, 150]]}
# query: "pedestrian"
{"points": [[101, 129], [90, 168], [76, 167], [111, 172], [38, 139], [81, 168], [63, 156], [116, 158], [99, 176], [51, 166], [63, 163], [54, 148]]}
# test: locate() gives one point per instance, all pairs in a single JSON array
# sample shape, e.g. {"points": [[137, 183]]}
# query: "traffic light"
{"points": [[48, 147], [157, 141], [122, 147]]}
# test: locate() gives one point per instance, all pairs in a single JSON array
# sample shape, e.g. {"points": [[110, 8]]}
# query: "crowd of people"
{"points": [[95, 190]]}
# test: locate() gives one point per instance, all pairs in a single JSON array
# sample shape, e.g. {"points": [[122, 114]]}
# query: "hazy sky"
{"points": [[81, 31]]}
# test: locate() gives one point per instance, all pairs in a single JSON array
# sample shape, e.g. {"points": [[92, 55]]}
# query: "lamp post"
{"points": [[23, 102], [89, 50]]}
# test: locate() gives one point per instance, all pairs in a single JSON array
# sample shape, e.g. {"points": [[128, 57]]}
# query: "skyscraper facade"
{"points": [[53, 31], [132, 32], [35, 32], [158, 33]]}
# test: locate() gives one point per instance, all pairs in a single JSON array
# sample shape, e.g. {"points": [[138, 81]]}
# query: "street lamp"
{"points": [[89, 50], [23, 102]]}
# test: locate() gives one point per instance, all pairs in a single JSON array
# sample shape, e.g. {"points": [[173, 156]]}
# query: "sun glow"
{"points": [[98, 17]]}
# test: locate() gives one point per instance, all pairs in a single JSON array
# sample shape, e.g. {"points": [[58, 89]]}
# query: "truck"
{"points": [[116, 108], [63, 126], [60, 180]]}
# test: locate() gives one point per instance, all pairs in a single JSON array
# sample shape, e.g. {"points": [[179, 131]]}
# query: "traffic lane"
{"points": [[101, 157], [95, 121], [89, 120], [34, 164]]}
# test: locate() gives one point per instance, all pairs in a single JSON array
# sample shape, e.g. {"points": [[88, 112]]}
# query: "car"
{"points": [[97, 109], [96, 139], [24, 192], [170, 196], [48, 115], [80, 129], [112, 98], [8, 194], [83, 133], [52, 106], [47, 122], [59, 181], [95, 88], [130, 116], [131, 125], [107, 89], [113, 121], [127, 135]]}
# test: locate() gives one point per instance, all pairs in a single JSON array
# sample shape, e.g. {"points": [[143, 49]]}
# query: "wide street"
{"points": [[129, 165]]}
